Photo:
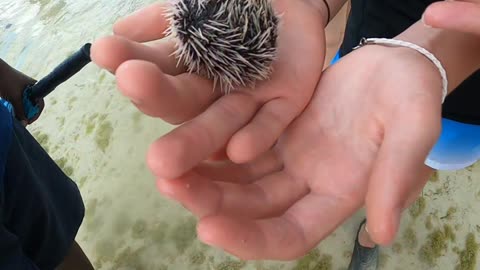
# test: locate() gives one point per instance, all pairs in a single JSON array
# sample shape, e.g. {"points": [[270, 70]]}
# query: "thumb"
{"points": [[454, 15], [399, 174]]}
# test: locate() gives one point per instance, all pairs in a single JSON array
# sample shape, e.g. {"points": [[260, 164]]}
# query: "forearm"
{"points": [[458, 52], [6, 73], [334, 5], [3, 75]]}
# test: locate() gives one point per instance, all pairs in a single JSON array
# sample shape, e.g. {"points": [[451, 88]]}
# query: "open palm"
{"points": [[243, 124], [362, 140]]}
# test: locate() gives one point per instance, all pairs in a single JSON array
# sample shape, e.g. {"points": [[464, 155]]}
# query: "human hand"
{"points": [[243, 124], [362, 141], [14, 83], [463, 16]]}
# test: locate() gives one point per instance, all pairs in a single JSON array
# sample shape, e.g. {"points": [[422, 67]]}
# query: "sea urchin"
{"points": [[233, 42]]}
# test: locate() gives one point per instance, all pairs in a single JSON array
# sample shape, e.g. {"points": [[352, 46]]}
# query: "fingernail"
{"points": [[423, 21]]}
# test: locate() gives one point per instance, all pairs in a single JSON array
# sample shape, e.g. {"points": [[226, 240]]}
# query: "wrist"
{"points": [[415, 66], [4, 73], [458, 52], [409, 48], [13, 81]]}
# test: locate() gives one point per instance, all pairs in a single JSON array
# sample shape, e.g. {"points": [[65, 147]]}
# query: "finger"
{"points": [[288, 237], [110, 52], [219, 155], [459, 16], [425, 174], [195, 141], [146, 24], [175, 99], [227, 171], [399, 171], [269, 196], [263, 131]]}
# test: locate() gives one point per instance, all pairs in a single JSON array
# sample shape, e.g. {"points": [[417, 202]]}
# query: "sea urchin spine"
{"points": [[233, 42]]}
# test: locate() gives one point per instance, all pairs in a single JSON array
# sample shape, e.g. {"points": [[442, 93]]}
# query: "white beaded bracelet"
{"points": [[429, 55]]}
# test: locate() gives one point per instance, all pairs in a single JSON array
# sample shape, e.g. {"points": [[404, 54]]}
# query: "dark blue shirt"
{"points": [[11, 256], [5, 138], [40, 207]]}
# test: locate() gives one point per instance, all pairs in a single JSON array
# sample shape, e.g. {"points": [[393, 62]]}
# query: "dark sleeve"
{"points": [[11, 254], [42, 206]]}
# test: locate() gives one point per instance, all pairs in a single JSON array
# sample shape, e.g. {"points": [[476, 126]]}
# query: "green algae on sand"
{"points": [[468, 256], [104, 135], [197, 258], [121, 224], [449, 232], [436, 244], [450, 213], [129, 258], [89, 128], [434, 177], [230, 265], [82, 181], [433, 248], [383, 260], [61, 121], [42, 139], [428, 223], [397, 248], [314, 261], [105, 248], [139, 229], [410, 238], [62, 164], [184, 234], [418, 207]]}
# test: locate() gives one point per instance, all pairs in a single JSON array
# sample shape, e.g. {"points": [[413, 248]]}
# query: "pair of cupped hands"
{"points": [[271, 171]]}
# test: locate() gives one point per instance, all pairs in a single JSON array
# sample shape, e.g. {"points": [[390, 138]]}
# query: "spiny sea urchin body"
{"points": [[233, 42]]}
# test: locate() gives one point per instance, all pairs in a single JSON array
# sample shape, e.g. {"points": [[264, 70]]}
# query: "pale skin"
{"points": [[445, 15], [256, 117], [360, 139]]}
